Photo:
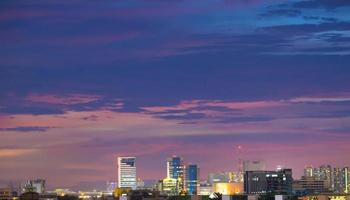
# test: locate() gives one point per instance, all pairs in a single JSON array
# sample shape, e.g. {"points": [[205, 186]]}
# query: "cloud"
{"points": [[281, 13], [320, 99], [327, 4], [10, 153], [62, 100], [27, 129]]}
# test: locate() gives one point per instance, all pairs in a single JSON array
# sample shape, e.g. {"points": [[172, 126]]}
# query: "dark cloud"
{"points": [[327, 4], [28, 129], [281, 13]]}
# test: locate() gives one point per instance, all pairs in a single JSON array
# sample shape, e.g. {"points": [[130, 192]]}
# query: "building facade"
{"points": [[176, 170], [262, 182], [340, 181], [127, 172], [192, 179]]}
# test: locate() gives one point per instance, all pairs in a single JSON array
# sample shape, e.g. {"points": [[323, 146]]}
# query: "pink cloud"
{"points": [[63, 100]]}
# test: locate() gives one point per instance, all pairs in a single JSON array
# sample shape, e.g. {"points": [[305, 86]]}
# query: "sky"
{"points": [[85, 81]]}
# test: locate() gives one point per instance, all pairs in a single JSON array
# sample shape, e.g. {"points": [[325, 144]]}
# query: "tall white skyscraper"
{"points": [[127, 172]]}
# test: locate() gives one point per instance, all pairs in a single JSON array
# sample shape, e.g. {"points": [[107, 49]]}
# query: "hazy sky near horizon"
{"points": [[83, 81]]}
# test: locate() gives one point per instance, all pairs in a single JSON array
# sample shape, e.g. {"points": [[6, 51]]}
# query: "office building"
{"points": [[170, 187], [127, 172], [257, 165], [111, 186], [192, 179], [37, 186], [308, 171], [309, 185], [340, 181], [218, 177], [325, 173], [261, 182], [176, 170]]}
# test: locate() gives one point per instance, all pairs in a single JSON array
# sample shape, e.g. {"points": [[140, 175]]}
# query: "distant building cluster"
{"points": [[252, 181]]}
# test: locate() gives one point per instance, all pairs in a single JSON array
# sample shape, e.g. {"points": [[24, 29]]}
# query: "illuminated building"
{"points": [[118, 192], [205, 189], [324, 173], [219, 177], [110, 186], [228, 188], [176, 170], [308, 171], [257, 165], [340, 182], [260, 182], [140, 183], [127, 172], [170, 186], [192, 179], [37, 186]]}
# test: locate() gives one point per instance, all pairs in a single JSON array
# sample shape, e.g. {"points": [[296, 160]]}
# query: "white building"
{"points": [[127, 172]]}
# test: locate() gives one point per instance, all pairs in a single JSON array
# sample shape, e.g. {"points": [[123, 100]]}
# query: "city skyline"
{"points": [[216, 82]]}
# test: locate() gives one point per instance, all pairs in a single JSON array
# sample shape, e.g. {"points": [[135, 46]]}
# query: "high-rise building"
{"points": [[176, 170], [37, 185], [324, 173], [308, 171], [192, 179], [256, 165], [175, 167], [261, 182], [218, 177], [111, 186], [127, 172], [340, 181]]}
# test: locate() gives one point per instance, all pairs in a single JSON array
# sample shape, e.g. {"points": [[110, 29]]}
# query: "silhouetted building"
{"points": [[29, 196], [5, 194]]}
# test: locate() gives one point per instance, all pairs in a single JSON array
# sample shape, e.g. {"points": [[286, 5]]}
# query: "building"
{"points": [[257, 165], [309, 185], [140, 184], [110, 186], [228, 188], [205, 189], [340, 180], [127, 172], [170, 186], [218, 177], [176, 170], [38, 186], [5, 194], [324, 173], [192, 179], [29, 196], [262, 182], [308, 171]]}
